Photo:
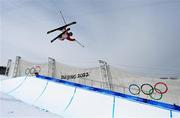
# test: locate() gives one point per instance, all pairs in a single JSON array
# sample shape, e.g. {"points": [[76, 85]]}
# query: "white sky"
{"points": [[137, 35]]}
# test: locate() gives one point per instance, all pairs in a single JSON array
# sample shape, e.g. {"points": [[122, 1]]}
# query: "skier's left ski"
{"points": [[60, 35]]}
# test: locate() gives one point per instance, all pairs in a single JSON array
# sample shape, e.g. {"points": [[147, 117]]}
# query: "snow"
{"points": [[13, 108], [67, 101]]}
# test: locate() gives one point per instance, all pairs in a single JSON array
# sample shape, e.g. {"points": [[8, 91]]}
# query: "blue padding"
{"points": [[108, 92]]}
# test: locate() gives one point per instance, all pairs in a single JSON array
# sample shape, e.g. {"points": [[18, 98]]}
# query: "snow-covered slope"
{"points": [[13, 108], [71, 101]]}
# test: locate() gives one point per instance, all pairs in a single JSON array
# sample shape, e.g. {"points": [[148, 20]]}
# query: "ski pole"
{"points": [[80, 43]]}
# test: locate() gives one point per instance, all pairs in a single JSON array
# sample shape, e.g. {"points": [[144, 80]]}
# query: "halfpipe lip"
{"points": [[116, 94]]}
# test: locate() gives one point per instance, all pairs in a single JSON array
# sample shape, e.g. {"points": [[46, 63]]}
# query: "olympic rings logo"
{"points": [[33, 71], [152, 90]]}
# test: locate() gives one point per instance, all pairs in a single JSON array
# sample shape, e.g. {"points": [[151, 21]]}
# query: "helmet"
{"points": [[70, 33]]}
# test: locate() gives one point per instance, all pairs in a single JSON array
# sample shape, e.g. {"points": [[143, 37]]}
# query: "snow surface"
{"points": [[68, 101], [13, 108]]}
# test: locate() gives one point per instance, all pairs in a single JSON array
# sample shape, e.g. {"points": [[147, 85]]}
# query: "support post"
{"points": [[105, 74], [8, 67], [51, 67], [16, 66]]}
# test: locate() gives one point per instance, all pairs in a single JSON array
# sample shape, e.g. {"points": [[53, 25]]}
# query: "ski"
{"points": [[61, 28], [60, 35]]}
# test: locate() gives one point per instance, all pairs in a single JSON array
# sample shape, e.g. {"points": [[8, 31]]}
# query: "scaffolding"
{"points": [[51, 67], [8, 67], [16, 66], [106, 75]]}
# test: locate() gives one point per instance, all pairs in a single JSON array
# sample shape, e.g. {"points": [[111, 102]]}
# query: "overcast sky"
{"points": [[137, 35]]}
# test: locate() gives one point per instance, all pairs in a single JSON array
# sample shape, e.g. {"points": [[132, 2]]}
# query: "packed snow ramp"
{"points": [[69, 99]]}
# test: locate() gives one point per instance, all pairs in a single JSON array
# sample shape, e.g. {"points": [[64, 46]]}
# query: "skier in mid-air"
{"points": [[65, 34]]}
